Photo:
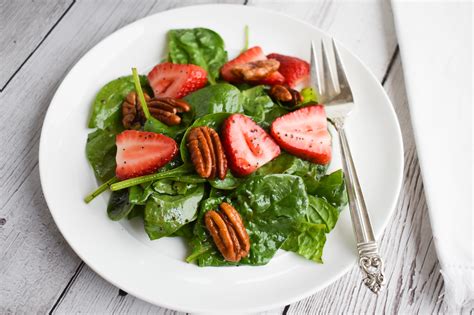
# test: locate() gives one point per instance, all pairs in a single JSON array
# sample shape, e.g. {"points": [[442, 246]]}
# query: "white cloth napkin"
{"points": [[435, 40]]}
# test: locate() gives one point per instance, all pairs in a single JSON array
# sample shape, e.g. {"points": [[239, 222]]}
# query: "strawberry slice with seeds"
{"points": [[304, 133], [247, 145], [295, 70], [141, 153], [176, 80], [250, 55]]}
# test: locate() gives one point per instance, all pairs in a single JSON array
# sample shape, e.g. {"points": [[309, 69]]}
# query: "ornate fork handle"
{"points": [[369, 259]]}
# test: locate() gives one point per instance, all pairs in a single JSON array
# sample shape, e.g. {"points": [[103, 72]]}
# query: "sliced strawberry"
{"points": [[304, 133], [251, 54], [176, 80], [141, 153], [294, 70], [247, 145]]}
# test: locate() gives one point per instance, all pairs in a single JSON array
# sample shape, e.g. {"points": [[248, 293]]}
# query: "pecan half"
{"points": [[285, 95], [132, 113], [256, 70], [165, 109], [207, 154], [228, 232]]}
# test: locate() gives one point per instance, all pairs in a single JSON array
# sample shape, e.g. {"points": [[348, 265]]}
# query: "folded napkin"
{"points": [[435, 40]]}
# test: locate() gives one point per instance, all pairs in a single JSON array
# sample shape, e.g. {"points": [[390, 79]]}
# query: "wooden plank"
{"points": [[24, 26], [365, 27], [414, 282], [36, 264]]}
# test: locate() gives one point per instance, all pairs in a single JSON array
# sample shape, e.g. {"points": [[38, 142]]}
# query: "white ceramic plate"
{"points": [[155, 270]]}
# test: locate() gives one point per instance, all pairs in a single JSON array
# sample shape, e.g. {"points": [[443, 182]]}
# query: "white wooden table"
{"points": [[40, 40]]}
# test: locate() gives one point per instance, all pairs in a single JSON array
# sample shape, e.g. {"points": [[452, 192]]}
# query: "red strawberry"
{"points": [[247, 145], [176, 80], [304, 133], [293, 69], [251, 54], [141, 153]]}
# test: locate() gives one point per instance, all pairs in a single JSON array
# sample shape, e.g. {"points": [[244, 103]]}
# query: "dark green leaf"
{"points": [[218, 98], [258, 105], [119, 206], [165, 214], [106, 109], [100, 152], [332, 188], [321, 212], [228, 183], [199, 46], [154, 125]]}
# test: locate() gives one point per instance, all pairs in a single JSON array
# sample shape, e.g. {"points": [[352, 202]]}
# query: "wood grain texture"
{"points": [[36, 264], [24, 24]]}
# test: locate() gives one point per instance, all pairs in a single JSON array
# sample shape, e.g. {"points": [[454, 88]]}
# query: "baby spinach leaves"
{"points": [[269, 206], [199, 46]]}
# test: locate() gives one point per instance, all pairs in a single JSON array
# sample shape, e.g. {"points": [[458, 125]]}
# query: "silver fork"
{"points": [[335, 93]]}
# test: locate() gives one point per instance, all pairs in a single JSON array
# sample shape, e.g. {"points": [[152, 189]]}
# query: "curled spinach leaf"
{"points": [[100, 152], [165, 214], [119, 205], [332, 188], [199, 46]]}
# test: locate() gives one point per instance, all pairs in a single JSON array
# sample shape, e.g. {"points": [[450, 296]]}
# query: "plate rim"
{"points": [[161, 303]]}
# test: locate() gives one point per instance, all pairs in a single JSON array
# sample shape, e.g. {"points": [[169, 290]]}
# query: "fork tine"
{"points": [[330, 86], [315, 74], [341, 73]]}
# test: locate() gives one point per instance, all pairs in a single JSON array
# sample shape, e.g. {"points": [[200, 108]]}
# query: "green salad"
{"points": [[231, 155]]}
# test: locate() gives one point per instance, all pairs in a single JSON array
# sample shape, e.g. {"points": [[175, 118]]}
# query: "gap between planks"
{"points": [[37, 46]]}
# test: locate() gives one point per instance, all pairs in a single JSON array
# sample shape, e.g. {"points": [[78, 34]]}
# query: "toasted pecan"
{"points": [[207, 154], [256, 70], [285, 95], [228, 232], [165, 109]]}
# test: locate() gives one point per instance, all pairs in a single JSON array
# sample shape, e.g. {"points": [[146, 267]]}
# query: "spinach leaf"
{"points": [[332, 188], [199, 46], [165, 214], [269, 205], [290, 164], [137, 212], [154, 125], [307, 240], [100, 152], [108, 102], [228, 183], [119, 206], [218, 98], [321, 212], [139, 194], [260, 106], [212, 120]]}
